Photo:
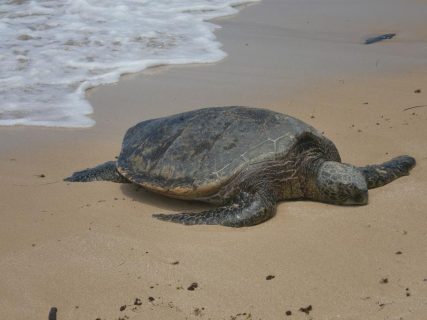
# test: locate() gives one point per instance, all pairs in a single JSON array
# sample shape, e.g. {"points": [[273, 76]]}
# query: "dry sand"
{"points": [[90, 249]]}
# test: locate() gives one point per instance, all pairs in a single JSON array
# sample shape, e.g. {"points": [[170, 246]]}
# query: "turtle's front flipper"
{"points": [[246, 210], [104, 172], [378, 175]]}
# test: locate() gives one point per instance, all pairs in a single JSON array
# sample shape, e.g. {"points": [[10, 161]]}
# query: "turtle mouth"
{"points": [[358, 200]]}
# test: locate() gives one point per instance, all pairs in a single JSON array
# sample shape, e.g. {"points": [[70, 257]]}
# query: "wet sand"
{"points": [[92, 249]]}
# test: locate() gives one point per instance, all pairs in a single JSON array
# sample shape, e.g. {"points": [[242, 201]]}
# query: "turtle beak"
{"points": [[358, 200]]}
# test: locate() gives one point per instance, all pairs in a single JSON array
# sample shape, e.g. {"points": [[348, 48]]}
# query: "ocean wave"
{"points": [[52, 51]]}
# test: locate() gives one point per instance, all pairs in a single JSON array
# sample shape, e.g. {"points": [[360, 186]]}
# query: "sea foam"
{"points": [[51, 51]]}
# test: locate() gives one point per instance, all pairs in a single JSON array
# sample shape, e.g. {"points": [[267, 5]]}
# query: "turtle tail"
{"points": [[104, 172], [378, 175]]}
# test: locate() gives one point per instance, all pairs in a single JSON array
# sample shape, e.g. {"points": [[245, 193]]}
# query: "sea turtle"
{"points": [[242, 159]]}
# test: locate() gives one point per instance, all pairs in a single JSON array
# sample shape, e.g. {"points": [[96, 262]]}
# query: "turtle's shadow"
{"points": [[163, 203]]}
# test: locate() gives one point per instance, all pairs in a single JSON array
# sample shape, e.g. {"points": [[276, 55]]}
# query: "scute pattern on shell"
{"points": [[196, 152]]}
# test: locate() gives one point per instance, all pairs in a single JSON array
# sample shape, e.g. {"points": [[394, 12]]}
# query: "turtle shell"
{"points": [[193, 154]]}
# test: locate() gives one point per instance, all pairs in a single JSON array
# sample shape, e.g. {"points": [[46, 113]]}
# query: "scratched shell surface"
{"points": [[198, 151]]}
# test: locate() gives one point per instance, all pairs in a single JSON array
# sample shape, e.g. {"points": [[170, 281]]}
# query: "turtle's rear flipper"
{"points": [[104, 172], [378, 175], [246, 210]]}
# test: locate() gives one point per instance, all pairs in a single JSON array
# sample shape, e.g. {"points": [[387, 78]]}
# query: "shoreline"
{"points": [[89, 249]]}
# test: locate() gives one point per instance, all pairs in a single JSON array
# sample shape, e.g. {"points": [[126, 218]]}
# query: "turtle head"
{"points": [[340, 183]]}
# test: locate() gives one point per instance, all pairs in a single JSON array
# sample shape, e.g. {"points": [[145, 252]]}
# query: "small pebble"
{"points": [[289, 313], [122, 308], [270, 277], [193, 286]]}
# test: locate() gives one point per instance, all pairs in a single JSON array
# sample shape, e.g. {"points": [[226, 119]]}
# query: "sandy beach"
{"points": [[93, 250]]}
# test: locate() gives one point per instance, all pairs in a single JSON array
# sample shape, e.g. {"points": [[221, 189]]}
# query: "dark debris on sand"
{"points": [[244, 315], [307, 309], [380, 38], [384, 280], [198, 312], [193, 286], [52, 313]]}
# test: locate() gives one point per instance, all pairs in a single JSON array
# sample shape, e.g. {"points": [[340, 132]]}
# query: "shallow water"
{"points": [[53, 50]]}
